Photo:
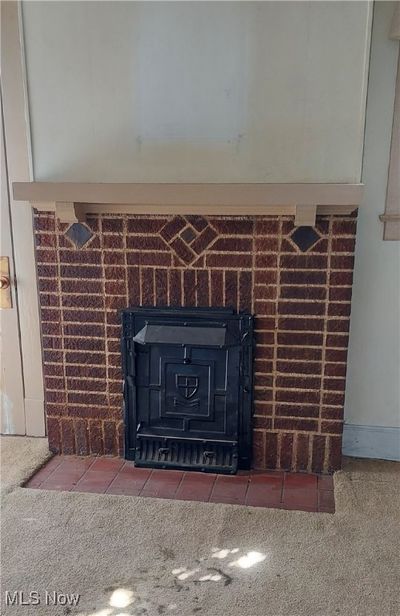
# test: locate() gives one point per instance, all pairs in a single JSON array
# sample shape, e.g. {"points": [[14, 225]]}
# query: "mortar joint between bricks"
{"points": [[276, 315], [323, 361]]}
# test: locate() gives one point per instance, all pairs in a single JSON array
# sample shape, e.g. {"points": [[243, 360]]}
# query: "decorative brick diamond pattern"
{"points": [[301, 301], [190, 243], [79, 234], [305, 237], [188, 235]]}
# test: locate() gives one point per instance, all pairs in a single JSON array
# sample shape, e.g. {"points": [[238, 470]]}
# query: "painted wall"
{"points": [[197, 91], [373, 385]]}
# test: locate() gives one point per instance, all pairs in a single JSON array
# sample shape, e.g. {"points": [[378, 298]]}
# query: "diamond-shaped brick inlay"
{"points": [[188, 235], [182, 250], [305, 237], [198, 222], [204, 240], [172, 228], [79, 234], [182, 237]]}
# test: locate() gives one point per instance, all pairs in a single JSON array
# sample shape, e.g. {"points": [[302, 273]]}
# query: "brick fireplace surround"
{"points": [[301, 301]]}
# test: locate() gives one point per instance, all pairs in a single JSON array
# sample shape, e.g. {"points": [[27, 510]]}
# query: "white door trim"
{"points": [[19, 162], [12, 388]]}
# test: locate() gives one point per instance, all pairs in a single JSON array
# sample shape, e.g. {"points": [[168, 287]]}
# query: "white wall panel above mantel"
{"points": [[197, 91]]}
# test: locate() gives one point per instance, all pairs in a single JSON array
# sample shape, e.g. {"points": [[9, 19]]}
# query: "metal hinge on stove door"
{"points": [[246, 384], [130, 362]]}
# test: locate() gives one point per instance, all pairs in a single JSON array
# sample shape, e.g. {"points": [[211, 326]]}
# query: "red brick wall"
{"points": [[301, 302]]}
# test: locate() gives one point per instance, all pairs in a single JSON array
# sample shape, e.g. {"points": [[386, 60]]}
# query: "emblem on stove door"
{"points": [[186, 385]]}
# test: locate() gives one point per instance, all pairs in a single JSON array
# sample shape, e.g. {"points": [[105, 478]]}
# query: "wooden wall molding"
{"points": [[391, 217], [71, 201]]}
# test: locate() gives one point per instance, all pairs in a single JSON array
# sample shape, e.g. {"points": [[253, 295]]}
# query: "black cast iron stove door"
{"points": [[188, 388]]}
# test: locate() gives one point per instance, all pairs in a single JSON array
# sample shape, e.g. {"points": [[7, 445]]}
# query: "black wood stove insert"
{"points": [[188, 388]]}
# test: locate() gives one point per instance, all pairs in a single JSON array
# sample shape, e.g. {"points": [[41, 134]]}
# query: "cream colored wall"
{"points": [[373, 384], [197, 91]]}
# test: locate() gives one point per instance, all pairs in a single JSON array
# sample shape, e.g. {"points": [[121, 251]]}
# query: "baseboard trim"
{"points": [[376, 442]]}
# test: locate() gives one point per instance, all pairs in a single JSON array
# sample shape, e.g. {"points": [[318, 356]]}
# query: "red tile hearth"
{"points": [[102, 475]]}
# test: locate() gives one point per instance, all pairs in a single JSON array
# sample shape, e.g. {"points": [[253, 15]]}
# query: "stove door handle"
{"points": [[208, 454]]}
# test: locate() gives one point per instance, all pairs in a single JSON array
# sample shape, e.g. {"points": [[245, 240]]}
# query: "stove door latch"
{"points": [[208, 455], [163, 451]]}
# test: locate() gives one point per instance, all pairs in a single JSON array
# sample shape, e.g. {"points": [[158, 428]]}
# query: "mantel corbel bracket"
{"points": [[69, 212], [305, 215]]}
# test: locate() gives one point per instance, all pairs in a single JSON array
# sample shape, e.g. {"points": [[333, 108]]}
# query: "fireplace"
{"points": [[188, 388], [296, 281]]}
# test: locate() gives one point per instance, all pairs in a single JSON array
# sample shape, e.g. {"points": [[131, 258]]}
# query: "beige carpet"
{"points": [[137, 556], [20, 456]]}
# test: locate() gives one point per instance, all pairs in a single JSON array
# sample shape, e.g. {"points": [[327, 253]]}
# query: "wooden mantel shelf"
{"points": [[72, 201]]}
